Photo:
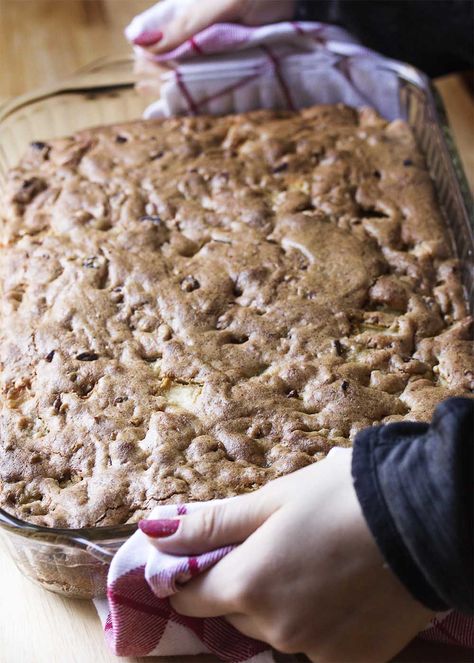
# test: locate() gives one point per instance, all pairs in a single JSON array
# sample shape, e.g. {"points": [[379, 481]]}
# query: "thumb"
{"points": [[213, 526]]}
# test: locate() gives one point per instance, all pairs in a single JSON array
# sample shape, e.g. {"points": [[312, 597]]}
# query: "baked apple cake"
{"points": [[192, 307]]}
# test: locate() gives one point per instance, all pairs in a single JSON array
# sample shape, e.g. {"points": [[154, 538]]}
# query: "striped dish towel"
{"points": [[230, 68]]}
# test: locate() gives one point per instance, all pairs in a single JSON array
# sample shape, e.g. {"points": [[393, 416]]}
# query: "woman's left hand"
{"points": [[169, 23], [307, 576]]}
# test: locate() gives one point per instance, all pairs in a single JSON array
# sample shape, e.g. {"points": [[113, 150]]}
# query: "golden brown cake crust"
{"points": [[192, 307]]}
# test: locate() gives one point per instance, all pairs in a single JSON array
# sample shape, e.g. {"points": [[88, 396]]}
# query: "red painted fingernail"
{"points": [[159, 529], [148, 38]]}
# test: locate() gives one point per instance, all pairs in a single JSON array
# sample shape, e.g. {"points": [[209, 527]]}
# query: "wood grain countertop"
{"points": [[40, 42]]}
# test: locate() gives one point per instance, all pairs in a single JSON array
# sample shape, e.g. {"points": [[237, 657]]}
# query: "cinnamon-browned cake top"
{"points": [[194, 306]]}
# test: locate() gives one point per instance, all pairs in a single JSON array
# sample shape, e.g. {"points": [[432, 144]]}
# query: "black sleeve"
{"points": [[434, 35], [415, 486]]}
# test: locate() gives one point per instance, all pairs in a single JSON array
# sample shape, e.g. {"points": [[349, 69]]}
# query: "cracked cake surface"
{"points": [[192, 307]]}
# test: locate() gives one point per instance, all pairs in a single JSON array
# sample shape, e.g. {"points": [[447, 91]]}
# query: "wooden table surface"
{"points": [[41, 41]]}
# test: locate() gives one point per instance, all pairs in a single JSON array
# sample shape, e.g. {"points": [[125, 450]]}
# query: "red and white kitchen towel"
{"points": [[139, 621], [229, 68]]}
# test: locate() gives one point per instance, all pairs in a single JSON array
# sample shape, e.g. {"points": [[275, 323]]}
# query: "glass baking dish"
{"points": [[74, 562]]}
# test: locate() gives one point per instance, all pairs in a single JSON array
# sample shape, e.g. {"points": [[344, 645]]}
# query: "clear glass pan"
{"points": [[75, 562]]}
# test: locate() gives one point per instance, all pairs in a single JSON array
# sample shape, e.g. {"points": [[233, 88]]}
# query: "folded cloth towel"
{"points": [[235, 68], [138, 619]]}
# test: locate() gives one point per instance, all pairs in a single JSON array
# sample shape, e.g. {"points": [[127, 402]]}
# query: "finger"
{"points": [[192, 21], [205, 596], [145, 68], [148, 38], [151, 20], [216, 592], [213, 526], [149, 82], [148, 87]]}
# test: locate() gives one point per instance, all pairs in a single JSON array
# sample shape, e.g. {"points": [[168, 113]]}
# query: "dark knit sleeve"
{"points": [[415, 485], [434, 35]]}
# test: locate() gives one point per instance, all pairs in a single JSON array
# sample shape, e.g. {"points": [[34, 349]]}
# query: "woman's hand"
{"points": [[169, 23], [307, 575]]}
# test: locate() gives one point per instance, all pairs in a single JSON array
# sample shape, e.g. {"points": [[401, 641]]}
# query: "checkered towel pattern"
{"points": [[235, 68], [138, 619], [451, 628]]}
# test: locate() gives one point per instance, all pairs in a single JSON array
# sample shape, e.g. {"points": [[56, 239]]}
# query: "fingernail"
{"points": [[148, 38], [159, 529]]}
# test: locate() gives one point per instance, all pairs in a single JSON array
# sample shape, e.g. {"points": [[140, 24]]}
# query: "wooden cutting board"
{"points": [[41, 41]]}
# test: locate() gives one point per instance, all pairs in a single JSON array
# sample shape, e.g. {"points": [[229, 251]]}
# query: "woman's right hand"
{"points": [[168, 24], [307, 576]]}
